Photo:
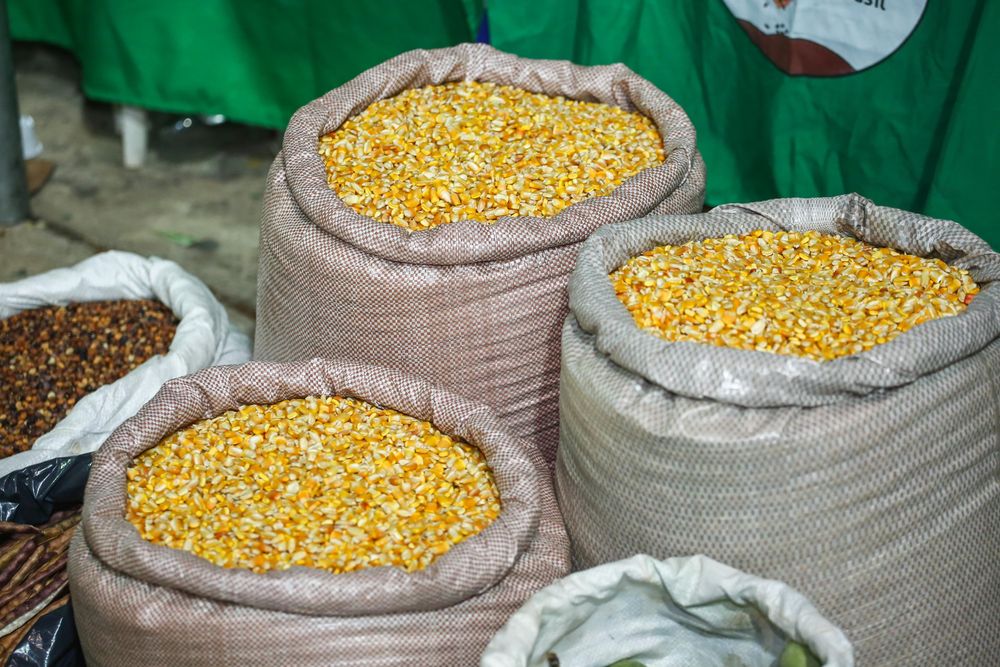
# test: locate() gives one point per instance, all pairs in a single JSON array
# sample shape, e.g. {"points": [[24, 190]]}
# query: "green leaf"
{"points": [[797, 655]]}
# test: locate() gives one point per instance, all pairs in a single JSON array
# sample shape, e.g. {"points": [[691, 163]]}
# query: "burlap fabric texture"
{"points": [[870, 483], [140, 604], [476, 307]]}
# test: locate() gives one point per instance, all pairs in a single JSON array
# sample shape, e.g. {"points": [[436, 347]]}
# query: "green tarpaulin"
{"points": [[915, 128], [255, 61]]}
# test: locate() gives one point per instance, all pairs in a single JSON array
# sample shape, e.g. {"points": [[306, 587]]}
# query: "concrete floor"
{"points": [[196, 201]]}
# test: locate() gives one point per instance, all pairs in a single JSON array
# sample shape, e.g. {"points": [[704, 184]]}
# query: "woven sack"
{"points": [[475, 307], [870, 483], [203, 338], [681, 612], [141, 604]]}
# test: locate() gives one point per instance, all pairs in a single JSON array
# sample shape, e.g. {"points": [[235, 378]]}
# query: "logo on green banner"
{"points": [[827, 37]]}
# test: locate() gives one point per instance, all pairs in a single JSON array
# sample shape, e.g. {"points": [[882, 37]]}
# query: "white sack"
{"points": [[204, 338], [681, 612]]}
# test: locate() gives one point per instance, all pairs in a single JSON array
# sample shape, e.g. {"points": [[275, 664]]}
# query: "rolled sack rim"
{"points": [[116, 275], [469, 568], [510, 237], [752, 378], [686, 581]]}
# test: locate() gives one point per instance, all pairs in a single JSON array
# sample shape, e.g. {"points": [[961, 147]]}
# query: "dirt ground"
{"points": [[196, 201]]}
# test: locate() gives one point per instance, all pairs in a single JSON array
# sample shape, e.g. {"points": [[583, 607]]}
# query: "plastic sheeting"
{"points": [[30, 495]]}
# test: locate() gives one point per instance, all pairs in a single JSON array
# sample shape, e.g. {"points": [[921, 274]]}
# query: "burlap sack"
{"points": [[869, 483], [475, 307], [140, 604]]}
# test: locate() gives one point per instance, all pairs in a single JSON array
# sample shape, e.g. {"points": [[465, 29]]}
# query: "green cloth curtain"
{"points": [[256, 61], [917, 130]]}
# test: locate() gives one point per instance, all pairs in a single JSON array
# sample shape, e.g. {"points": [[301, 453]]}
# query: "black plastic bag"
{"points": [[31, 495], [51, 642]]}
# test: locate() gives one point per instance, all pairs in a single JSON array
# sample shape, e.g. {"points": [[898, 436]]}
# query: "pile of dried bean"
{"points": [[32, 573], [51, 357]]}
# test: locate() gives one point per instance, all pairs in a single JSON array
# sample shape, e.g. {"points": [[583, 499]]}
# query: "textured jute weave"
{"points": [[141, 604], [869, 483], [476, 307]]}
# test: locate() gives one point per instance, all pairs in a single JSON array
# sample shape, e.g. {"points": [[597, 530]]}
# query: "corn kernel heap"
{"points": [[331, 483], [480, 151], [806, 294]]}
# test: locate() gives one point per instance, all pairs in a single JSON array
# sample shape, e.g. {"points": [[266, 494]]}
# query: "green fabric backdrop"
{"points": [[917, 131], [255, 61]]}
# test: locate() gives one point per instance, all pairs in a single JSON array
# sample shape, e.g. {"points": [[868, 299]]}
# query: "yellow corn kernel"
{"points": [[337, 484], [481, 151], [802, 293]]}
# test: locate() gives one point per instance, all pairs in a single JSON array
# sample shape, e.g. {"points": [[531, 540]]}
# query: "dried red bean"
{"points": [[32, 597], [55, 563], [23, 553], [45, 551], [14, 527], [11, 546], [59, 523], [24, 571], [34, 567], [51, 357]]}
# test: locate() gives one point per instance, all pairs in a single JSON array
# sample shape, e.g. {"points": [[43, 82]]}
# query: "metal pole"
{"points": [[13, 182]]}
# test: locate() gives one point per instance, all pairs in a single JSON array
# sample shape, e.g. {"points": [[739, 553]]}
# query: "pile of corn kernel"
{"points": [[807, 294], [324, 482], [481, 151]]}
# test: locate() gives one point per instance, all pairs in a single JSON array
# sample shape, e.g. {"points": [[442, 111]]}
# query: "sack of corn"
{"points": [[807, 389], [311, 513], [642, 612], [426, 216], [82, 348]]}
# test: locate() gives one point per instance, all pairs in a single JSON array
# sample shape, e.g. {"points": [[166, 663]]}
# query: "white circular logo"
{"points": [[827, 37]]}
